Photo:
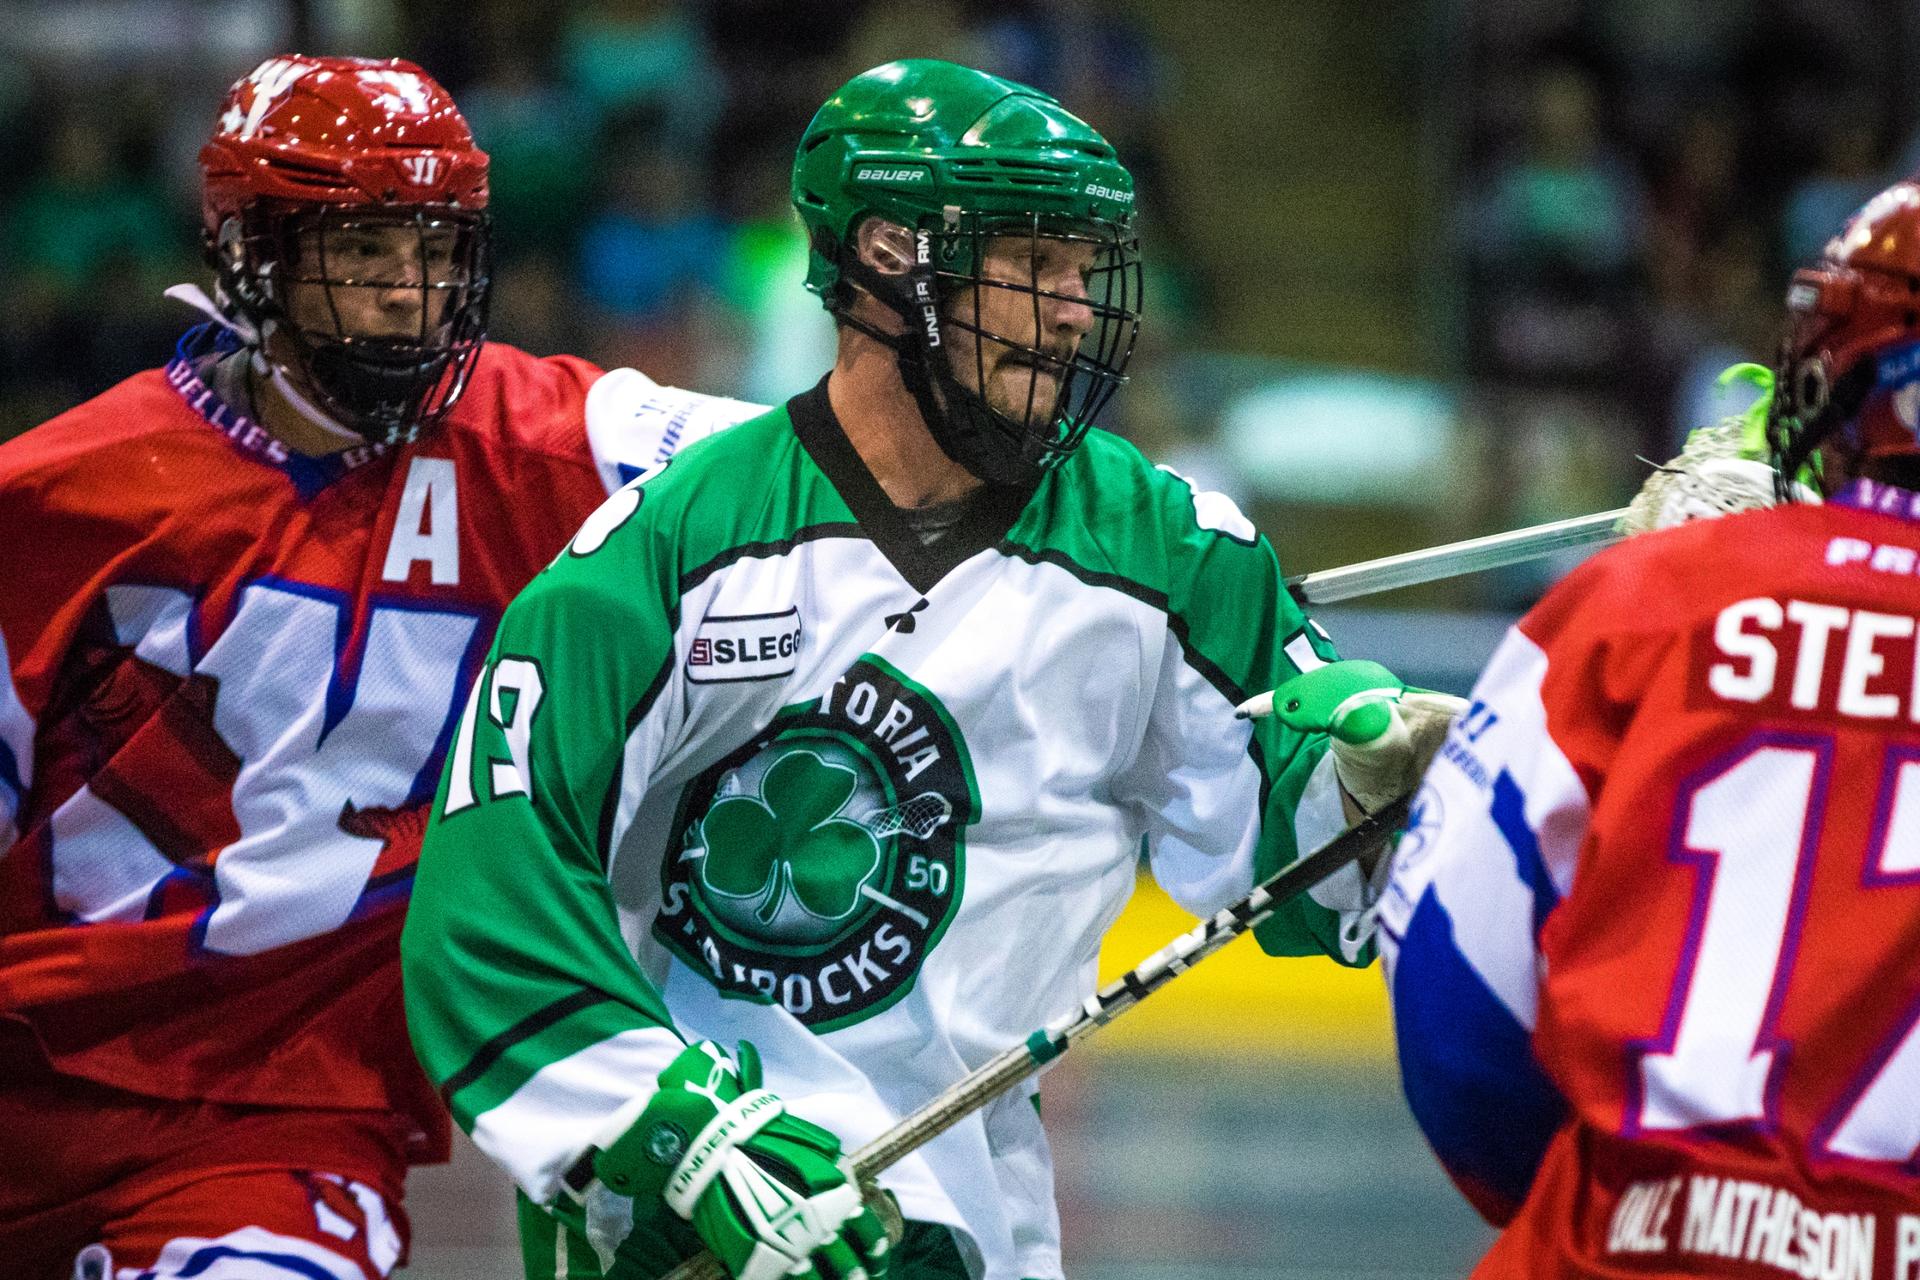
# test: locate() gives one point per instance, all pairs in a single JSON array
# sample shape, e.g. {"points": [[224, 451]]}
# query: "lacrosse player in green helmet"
{"points": [[811, 775]]}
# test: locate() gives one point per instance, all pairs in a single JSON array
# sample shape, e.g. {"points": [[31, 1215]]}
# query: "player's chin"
{"points": [[1027, 395], [395, 329]]}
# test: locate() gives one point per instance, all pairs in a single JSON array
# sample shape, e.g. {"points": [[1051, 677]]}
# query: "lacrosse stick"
{"points": [[1046, 1046], [1474, 555]]}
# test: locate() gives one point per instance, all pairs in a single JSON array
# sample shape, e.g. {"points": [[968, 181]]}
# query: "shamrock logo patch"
{"points": [[783, 862], [822, 859]]}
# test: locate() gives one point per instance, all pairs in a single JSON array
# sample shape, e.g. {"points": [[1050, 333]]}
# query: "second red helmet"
{"points": [[1849, 378], [310, 161]]}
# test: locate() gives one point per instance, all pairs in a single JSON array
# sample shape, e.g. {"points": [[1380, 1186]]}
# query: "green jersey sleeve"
{"points": [[523, 1000], [1230, 802]]}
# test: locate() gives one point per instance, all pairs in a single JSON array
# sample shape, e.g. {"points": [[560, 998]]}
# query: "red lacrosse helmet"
{"points": [[353, 174], [1849, 376]]}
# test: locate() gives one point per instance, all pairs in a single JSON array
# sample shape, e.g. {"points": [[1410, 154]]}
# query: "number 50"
{"points": [[922, 873]]}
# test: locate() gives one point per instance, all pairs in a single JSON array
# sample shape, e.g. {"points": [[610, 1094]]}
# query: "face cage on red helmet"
{"points": [[1799, 417], [387, 387], [1813, 421], [1003, 447]]}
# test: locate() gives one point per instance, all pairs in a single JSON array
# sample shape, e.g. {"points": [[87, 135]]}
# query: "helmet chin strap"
{"points": [[911, 351], [916, 350], [276, 375], [254, 342]]}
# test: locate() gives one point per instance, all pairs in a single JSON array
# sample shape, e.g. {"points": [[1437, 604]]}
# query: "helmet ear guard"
{"points": [[889, 243], [880, 261], [1809, 409]]}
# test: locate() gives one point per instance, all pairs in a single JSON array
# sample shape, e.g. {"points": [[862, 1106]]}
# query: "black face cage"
{"points": [[1800, 398], [1809, 408], [1018, 447], [389, 387]]}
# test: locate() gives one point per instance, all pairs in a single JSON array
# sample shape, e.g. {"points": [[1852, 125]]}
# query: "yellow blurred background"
{"points": [[1242, 1001]]}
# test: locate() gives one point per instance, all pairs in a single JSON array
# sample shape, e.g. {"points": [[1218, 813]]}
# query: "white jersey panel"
{"points": [[963, 707], [1461, 849], [634, 425], [538, 1132], [1191, 790]]}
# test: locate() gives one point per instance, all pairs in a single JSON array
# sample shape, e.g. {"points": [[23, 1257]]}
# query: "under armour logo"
{"points": [[421, 170], [903, 622]]}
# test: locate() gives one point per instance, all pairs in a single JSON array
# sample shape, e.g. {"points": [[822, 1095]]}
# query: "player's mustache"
{"points": [[1052, 360]]}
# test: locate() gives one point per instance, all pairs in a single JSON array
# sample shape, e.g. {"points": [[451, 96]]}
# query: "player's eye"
{"points": [[365, 248], [1007, 269], [1058, 265]]}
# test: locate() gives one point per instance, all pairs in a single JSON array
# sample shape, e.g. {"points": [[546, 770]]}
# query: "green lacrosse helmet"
{"points": [[907, 140], [959, 158]]}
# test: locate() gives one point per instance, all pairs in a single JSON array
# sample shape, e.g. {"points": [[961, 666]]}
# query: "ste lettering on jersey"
{"points": [[1655, 941], [232, 677]]}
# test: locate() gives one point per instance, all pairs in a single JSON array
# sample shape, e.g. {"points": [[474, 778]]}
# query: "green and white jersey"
{"points": [[750, 761]]}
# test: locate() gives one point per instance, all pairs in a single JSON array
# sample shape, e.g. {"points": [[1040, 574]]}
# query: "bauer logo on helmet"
{"points": [[873, 173]]}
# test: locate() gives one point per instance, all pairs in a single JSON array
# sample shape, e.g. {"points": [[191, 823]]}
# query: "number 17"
{"points": [[1752, 825]]}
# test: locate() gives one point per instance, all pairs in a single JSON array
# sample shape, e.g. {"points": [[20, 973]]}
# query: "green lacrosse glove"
{"points": [[1383, 734], [769, 1193]]}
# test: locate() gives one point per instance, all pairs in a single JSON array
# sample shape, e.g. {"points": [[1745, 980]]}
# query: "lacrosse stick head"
{"points": [[1714, 475], [1848, 382]]}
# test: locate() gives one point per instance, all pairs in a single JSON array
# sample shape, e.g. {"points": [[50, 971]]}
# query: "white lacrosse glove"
{"points": [[1722, 469]]}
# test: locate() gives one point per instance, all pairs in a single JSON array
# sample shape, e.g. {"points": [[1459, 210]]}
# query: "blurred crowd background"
{"points": [[1418, 269]]}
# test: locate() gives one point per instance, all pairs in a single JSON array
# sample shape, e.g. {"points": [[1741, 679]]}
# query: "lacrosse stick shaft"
{"points": [[1016, 1063], [1475, 555], [1044, 1047]]}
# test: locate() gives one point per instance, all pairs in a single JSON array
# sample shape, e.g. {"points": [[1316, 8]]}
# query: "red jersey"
{"points": [[1655, 939], [230, 677]]}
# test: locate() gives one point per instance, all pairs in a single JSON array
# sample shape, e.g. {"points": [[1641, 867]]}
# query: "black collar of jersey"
{"points": [[990, 512]]}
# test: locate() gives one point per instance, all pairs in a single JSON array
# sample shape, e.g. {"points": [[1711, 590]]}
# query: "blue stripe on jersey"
{"points": [[1510, 817], [290, 1263], [1467, 1066]]}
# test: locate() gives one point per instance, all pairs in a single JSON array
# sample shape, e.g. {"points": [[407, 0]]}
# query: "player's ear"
{"points": [[885, 246]]}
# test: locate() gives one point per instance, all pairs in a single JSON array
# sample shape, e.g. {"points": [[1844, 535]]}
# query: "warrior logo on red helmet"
{"points": [[422, 169]]}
